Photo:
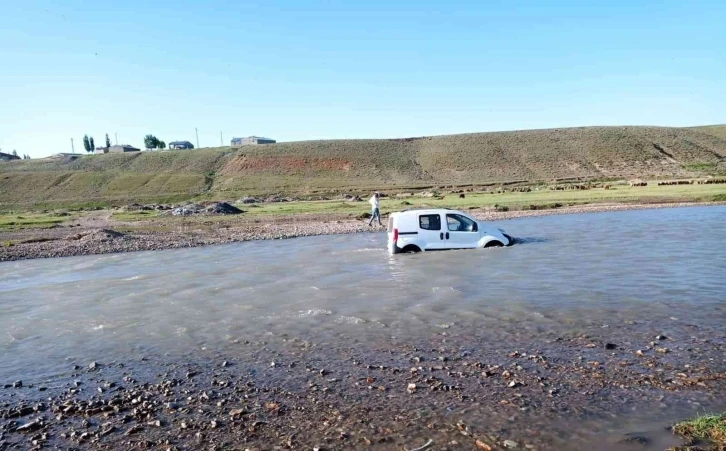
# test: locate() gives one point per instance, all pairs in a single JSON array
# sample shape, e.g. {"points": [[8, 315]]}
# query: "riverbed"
{"points": [[615, 320]]}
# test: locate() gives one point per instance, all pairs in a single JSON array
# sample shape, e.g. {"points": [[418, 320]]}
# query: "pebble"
{"points": [[18, 384], [236, 412], [510, 444], [411, 388]]}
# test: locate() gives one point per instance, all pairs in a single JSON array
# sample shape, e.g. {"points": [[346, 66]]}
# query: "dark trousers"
{"points": [[376, 213]]}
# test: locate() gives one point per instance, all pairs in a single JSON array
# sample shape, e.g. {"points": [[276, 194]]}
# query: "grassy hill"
{"points": [[324, 166], [718, 131]]}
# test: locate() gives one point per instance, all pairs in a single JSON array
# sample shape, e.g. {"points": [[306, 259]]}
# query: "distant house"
{"points": [[252, 140], [121, 149], [8, 157], [181, 145]]}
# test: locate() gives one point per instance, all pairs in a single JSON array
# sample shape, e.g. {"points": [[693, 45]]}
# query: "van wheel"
{"points": [[493, 243], [410, 249]]}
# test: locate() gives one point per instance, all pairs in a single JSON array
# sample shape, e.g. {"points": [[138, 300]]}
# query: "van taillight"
{"points": [[395, 235]]}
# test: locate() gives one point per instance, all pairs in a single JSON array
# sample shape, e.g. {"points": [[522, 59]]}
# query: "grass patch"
{"points": [[701, 167], [34, 221], [705, 428], [134, 215], [507, 201], [719, 198]]}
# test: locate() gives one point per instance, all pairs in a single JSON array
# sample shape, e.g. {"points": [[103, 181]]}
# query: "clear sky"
{"points": [[317, 69]]}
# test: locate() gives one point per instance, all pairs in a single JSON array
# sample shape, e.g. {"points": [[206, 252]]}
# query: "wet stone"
{"points": [[636, 438]]}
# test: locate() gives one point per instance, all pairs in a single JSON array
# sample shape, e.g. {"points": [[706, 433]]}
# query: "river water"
{"points": [[592, 273]]}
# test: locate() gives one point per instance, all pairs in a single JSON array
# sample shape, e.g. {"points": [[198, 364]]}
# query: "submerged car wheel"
{"points": [[410, 249], [494, 243]]}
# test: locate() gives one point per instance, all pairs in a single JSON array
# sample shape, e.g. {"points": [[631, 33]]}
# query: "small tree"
{"points": [[151, 142], [161, 145], [92, 145], [15, 152], [108, 141], [86, 144]]}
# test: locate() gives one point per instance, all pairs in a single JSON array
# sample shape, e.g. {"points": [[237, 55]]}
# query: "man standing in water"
{"points": [[375, 209]]}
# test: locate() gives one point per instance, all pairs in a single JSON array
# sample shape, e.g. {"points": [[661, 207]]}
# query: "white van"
{"points": [[441, 229]]}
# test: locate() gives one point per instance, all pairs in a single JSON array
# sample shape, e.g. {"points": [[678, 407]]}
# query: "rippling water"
{"points": [[569, 274]]}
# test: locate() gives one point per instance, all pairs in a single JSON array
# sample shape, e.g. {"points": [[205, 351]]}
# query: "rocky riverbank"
{"points": [[109, 236], [562, 392]]}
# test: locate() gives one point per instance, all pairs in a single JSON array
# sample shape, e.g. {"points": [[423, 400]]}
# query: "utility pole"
{"points": [[115, 138], [197, 132], [73, 149], [221, 141]]}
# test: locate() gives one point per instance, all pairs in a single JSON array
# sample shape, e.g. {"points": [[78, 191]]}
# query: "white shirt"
{"points": [[375, 201]]}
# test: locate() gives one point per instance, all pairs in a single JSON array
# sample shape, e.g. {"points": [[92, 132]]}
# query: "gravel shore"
{"points": [[535, 393], [104, 238]]}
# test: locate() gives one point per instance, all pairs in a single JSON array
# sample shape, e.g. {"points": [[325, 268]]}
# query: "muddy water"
{"points": [[621, 276]]}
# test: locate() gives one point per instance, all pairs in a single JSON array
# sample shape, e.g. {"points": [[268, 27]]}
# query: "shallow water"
{"points": [[589, 273]]}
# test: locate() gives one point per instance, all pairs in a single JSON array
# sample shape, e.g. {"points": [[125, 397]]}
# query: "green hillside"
{"points": [[323, 166]]}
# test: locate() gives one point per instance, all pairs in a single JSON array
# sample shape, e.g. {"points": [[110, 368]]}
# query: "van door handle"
{"points": [[447, 235], [441, 235]]}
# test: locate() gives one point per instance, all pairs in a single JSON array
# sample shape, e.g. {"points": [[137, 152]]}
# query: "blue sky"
{"points": [[295, 70]]}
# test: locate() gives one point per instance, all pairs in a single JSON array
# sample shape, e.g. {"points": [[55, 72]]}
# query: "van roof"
{"points": [[425, 211]]}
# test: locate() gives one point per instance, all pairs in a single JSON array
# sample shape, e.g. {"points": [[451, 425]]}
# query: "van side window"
{"points": [[458, 223], [429, 222]]}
